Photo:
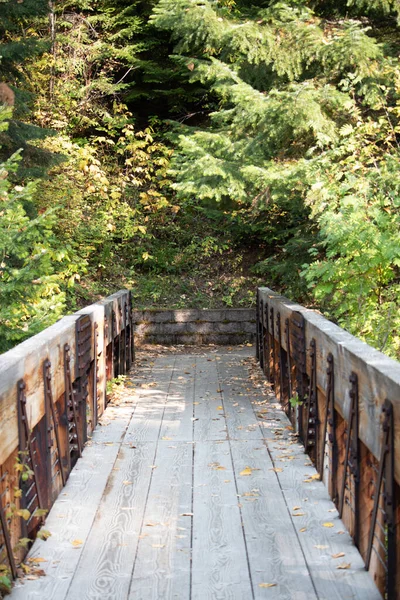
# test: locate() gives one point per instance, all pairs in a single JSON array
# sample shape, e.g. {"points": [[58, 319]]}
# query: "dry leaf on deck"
{"points": [[267, 585], [344, 566], [328, 524], [246, 471], [338, 555], [36, 559]]}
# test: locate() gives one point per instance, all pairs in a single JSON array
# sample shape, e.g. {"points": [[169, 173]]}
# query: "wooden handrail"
{"points": [[343, 398], [52, 392]]}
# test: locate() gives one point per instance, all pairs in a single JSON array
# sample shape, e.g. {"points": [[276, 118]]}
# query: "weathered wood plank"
{"points": [[310, 507], [237, 394], [105, 567], [219, 566], [69, 522], [113, 424], [275, 554], [146, 422], [210, 423], [163, 560], [177, 423]]}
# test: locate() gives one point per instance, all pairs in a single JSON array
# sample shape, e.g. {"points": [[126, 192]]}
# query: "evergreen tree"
{"points": [[306, 104]]}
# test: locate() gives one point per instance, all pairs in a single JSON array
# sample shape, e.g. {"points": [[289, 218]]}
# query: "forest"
{"points": [[193, 149]]}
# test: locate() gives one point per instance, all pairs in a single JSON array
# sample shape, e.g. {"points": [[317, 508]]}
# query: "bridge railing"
{"points": [[52, 392], [343, 398]]}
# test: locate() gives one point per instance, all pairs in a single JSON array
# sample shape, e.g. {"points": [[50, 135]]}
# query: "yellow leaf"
{"points": [[277, 470], [319, 547], [296, 508], [220, 408], [328, 524], [246, 471], [77, 543], [303, 529], [24, 513], [36, 559], [267, 585], [338, 555], [25, 568], [297, 514]]}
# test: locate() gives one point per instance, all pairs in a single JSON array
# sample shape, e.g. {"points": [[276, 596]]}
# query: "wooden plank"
{"points": [[378, 375], [237, 393], [275, 554], [219, 567], [210, 423], [146, 422], [163, 561], [113, 424], [310, 507], [105, 567], [69, 522], [177, 423]]}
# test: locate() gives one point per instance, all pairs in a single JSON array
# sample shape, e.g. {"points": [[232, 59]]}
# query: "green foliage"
{"points": [[305, 139], [31, 297]]}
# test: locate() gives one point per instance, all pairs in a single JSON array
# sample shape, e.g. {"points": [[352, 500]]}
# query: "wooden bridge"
{"points": [[194, 482]]}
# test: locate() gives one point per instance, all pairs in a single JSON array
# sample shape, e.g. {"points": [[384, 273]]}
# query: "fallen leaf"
{"points": [[321, 547], [77, 543], [277, 470], [246, 471], [127, 482], [266, 585], [158, 545], [303, 529], [328, 524], [36, 559], [344, 566], [296, 508], [186, 514], [165, 438], [338, 555]]}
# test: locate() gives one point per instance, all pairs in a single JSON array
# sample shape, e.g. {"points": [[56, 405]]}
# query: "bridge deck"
{"points": [[193, 488]]}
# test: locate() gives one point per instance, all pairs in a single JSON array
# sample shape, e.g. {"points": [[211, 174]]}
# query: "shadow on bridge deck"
{"points": [[195, 487]]}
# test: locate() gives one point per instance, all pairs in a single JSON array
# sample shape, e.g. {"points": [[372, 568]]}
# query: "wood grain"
{"points": [[210, 423], [69, 522], [105, 567], [163, 560], [220, 567]]}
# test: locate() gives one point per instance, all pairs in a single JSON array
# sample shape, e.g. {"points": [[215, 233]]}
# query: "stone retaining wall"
{"points": [[195, 326]]}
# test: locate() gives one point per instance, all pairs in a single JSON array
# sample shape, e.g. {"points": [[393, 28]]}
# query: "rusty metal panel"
{"points": [[83, 344]]}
